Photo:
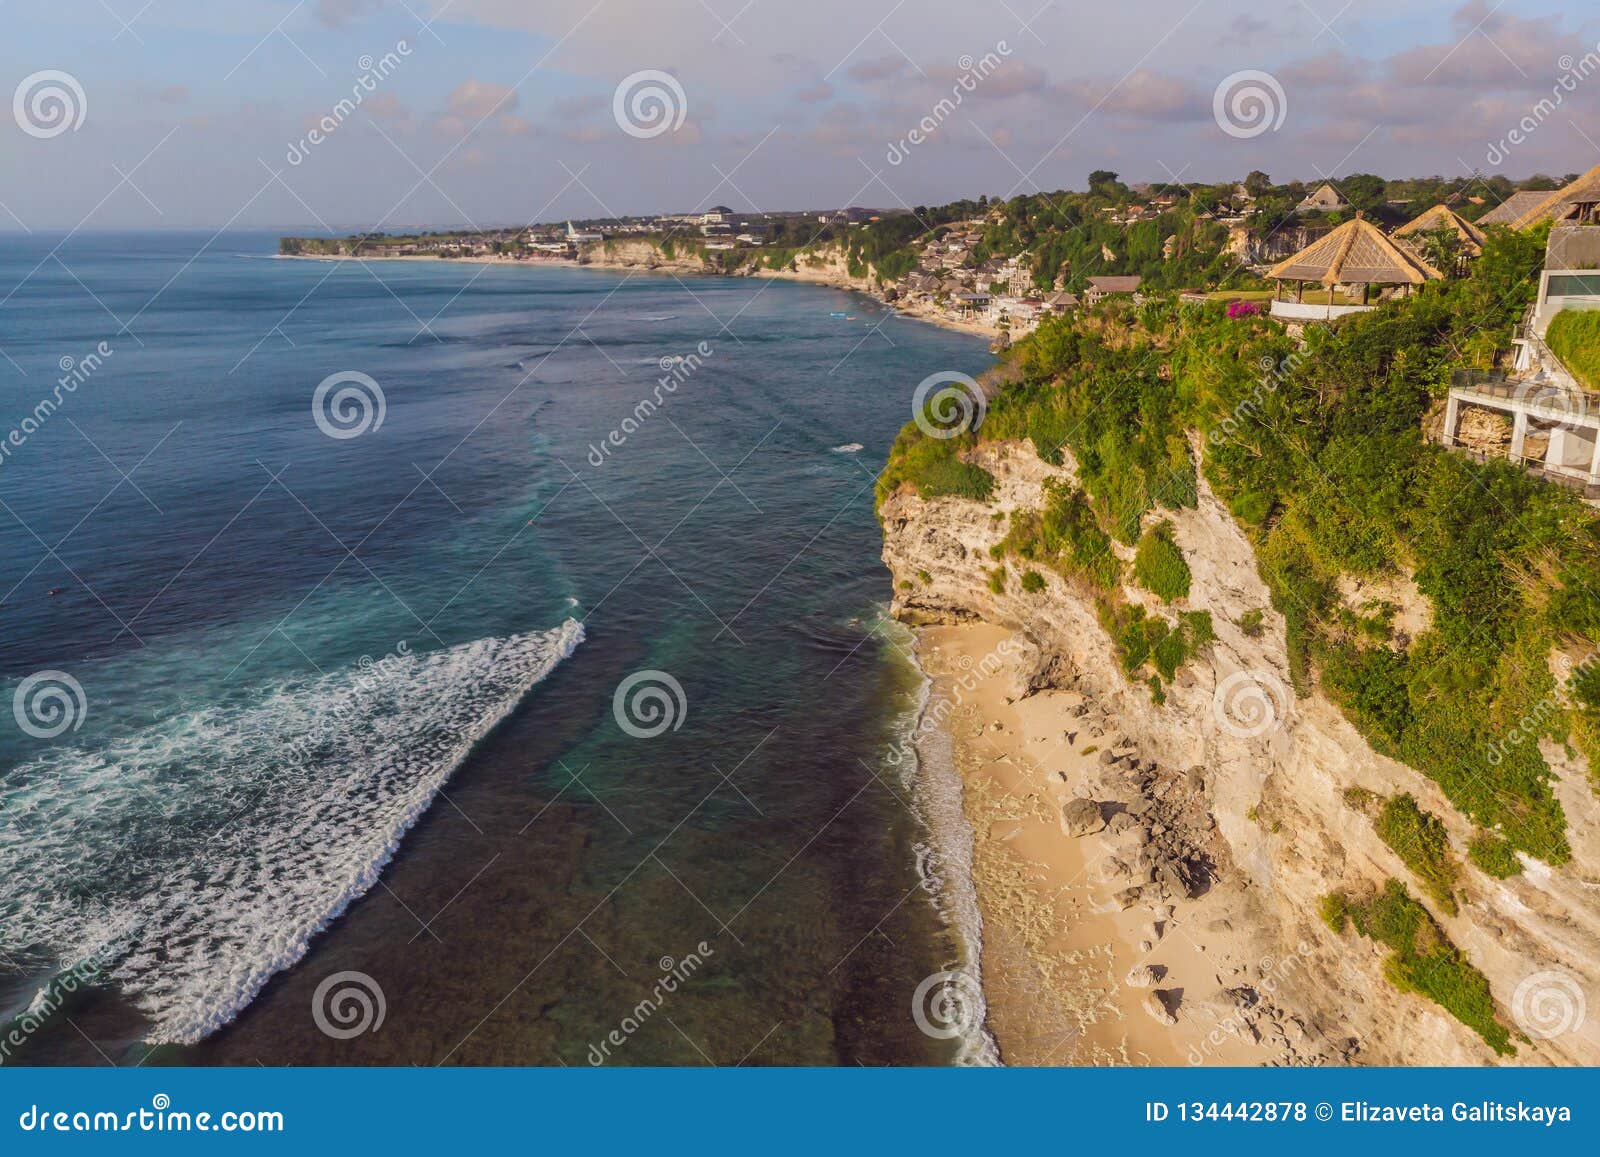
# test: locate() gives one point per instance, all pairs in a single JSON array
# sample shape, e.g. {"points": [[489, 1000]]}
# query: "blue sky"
{"points": [[199, 114]]}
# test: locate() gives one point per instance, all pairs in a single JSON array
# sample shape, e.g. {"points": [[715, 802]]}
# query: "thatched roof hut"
{"points": [[1356, 253], [1577, 204], [1514, 206], [1443, 217]]}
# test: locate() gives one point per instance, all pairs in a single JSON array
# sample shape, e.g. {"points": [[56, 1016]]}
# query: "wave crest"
{"points": [[199, 856]]}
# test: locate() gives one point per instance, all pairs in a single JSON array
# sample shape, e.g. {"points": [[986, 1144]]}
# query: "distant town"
{"points": [[1003, 265]]}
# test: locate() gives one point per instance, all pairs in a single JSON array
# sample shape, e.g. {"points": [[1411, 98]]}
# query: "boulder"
{"points": [[1123, 822], [1145, 976], [1156, 1005], [1081, 817]]}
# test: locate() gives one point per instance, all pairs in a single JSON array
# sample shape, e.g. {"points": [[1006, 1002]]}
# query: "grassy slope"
{"points": [[1319, 454]]}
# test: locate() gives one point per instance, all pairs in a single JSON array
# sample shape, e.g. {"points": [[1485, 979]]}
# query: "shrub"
{"points": [[997, 580], [1494, 856], [1251, 622], [1158, 564], [1032, 581], [1419, 839], [1335, 912], [1424, 961]]}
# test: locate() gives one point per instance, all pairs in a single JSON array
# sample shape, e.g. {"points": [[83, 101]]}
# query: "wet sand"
{"points": [[1056, 947]]}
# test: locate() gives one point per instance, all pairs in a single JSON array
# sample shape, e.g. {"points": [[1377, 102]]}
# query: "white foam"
{"points": [[200, 856], [944, 860], [848, 448]]}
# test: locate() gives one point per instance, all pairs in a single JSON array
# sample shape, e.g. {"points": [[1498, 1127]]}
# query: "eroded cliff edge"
{"points": [[1286, 833]]}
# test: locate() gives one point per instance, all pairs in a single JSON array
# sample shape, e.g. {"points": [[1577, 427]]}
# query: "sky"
{"points": [[390, 114]]}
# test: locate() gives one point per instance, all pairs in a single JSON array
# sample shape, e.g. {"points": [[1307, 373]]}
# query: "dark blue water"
{"points": [[294, 704]]}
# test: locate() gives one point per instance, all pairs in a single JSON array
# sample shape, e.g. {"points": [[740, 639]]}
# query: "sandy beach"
{"points": [[1058, 945]]}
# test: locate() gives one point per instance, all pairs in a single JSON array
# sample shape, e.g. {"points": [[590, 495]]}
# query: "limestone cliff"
{"points": [[824, 265], [1275, 770]]}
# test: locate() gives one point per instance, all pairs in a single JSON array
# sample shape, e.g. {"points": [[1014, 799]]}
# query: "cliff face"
{"points": [[1275, 770], [825, 265]]}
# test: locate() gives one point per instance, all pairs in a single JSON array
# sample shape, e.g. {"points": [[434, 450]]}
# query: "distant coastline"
{"points": [[829, 271]]}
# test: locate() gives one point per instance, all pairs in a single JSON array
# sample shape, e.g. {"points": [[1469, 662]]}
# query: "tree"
{"points": [[1104, 182], [1257, 183]]}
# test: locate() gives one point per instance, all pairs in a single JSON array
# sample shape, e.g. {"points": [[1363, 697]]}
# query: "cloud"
{"points": [[1142, 95], [476, 99], [1489, 49], [338, 13], [579, 108], [815, 94], [385, 106], [876, 69]]}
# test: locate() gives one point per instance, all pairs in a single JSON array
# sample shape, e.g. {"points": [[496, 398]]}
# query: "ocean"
{"points": [[429, 663]]}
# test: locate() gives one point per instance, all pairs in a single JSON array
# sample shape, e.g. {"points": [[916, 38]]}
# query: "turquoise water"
{"points": [[346, 704]]}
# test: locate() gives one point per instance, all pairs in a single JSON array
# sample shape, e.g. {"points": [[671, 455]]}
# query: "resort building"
{"points": [[1323, 199], [1356, 254], [1571, 277], [969, 304], [1512, 208], [1539, 416], [1576, 204], [1444, 217], [1101, 288]]}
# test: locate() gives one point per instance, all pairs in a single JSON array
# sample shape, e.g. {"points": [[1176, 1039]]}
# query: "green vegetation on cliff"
{"points": [[1422, 958], [1419, 839], [1159, 565], [1318, 450]]}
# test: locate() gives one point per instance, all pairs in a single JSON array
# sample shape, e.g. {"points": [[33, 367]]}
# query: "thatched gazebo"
{"points": [[1444, 217], [1356, 253]]}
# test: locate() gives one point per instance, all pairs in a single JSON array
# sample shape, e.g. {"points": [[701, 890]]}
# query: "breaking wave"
{"points": [[194, 859]]}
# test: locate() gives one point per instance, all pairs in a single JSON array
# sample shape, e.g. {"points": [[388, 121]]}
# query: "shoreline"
{"points": [[674, 268], [1056, 947]]}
